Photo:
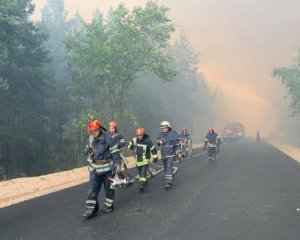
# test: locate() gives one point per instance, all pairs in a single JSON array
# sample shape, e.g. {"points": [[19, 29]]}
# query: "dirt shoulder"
{"points": [[289, 150], [21, 189]]}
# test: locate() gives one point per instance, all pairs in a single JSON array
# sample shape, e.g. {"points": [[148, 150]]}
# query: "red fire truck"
{"points": [[233, 130]]}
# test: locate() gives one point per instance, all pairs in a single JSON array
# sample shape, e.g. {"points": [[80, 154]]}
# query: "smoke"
{"points": [[240, 42]]}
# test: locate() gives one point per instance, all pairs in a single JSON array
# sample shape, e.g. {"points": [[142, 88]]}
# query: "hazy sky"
{"points": [[240, 41]]}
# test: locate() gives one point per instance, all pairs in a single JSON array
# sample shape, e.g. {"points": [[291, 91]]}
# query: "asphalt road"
{"points": [[251, 192]]}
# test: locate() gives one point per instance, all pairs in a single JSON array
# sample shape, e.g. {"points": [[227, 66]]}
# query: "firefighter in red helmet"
{"points": [[143, 147], [101, 166]]}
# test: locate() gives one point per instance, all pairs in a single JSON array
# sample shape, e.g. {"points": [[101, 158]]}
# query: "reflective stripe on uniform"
{"points": [[142, 179], [169, 177], [108, 202], [100, 168], [130, 144], [142, 145], [168, 156], [114, 149], [169, 146], [144, 162], [90, 203], [144, 159]]}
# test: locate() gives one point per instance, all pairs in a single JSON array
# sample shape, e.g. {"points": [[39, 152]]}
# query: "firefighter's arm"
{"points": [[160, 141], [205, 142], [113, 148], [178, 147], [88, 150], [132, 143], [122, 142], [153, 152]]}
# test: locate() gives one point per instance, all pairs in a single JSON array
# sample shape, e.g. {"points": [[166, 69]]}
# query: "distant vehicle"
{"points": [[233, 130]]}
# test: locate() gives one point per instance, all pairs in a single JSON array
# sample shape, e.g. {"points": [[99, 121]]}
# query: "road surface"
{"points": [[251, 192]]}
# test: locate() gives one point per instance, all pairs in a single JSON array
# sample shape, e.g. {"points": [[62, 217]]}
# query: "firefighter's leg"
{"points": [[210, 152], [109, 193], [92, 205], [165, 164], [169, 172], [143, 176], [119, 171], [184, 150]]}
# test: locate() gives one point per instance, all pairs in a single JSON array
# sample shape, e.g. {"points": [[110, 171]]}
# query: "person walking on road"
{"points": [[119, 145], [258, 137], [144, 149], [212, 143], [102, 163], [169, 141]]}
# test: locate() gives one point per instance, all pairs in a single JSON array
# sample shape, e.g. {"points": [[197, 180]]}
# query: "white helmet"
{"points": [[165, 124]]}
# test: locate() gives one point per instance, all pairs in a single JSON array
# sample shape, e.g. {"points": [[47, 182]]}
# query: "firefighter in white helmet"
{"points": [[169, 141]]}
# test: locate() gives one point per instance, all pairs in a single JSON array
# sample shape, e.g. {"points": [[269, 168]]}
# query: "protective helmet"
{"points": [[94, 125], [140, 132], [165, 124], [113, 124]]}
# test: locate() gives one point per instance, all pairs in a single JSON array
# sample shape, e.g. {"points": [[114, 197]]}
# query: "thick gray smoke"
{"points": [[240, 42]]}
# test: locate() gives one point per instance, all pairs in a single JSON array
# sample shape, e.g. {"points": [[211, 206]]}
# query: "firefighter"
{"points": [[119, 145], [144, 149], [258, 137], [101, 167], [169, 141], [184, 134], [184, 138], [212, 141]]}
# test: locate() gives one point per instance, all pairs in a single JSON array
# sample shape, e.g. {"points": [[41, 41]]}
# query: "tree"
{"points": [[61, 108], [24, 89], [290, 78], [106, 57]]}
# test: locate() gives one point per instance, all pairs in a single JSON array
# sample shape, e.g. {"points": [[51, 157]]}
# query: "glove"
{"points": [[88, 150], [160, 142], [89, 161], [155, 160]]}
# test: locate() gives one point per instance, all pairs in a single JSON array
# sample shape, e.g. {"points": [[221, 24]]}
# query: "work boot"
{"points": [[107, 209], [168, 186], [142, 189], [89, 213]]}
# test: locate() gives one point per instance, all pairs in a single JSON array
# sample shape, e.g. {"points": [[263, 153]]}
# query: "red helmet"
{"points": [[113, 124], [140, 132], [94, 125]]}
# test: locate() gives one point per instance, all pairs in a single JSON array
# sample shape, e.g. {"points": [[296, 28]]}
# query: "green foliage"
{"points": [[24, 89], [290, 78], [120, 67], [106, 56]]}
